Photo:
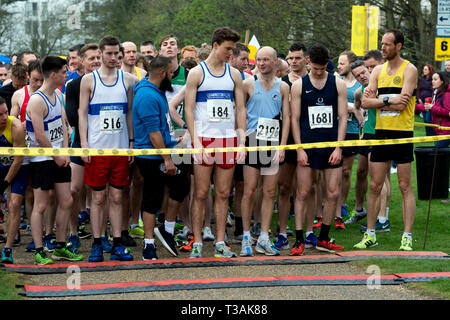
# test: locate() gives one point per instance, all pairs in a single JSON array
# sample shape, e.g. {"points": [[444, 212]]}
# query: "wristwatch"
{"points": [[386, 101]]}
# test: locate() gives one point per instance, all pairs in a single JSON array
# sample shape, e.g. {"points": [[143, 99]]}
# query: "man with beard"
{"points": [[391, 91], [106, 97], [153, 129]]}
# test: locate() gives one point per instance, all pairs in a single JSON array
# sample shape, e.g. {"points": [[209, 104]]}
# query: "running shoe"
{"points": [[183, 234], [298, 249], [256, 230], [127, 240], [196, 251], [246, 247], [16, 242], [149, 252], [166, 239], [338, 223], [31, 247], [136, 232], [49, 242], [106, 246], [7, 256], [282, 243], [317, 222], [66, 254], [207, 234], [266, 247], [222, 251], [344, 212], [188, 247], [120, 253], [40, 258], [83, 217], [96, 253], [229, 221], [379, 227], [367, 242], [310, 241], [328, 246], [406, 244], [83, 234], [237, 239], [356, 216], [74, 242]]}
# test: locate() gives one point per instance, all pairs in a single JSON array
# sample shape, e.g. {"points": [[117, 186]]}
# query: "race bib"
{"points": [[320, 117], [268, 129], [350, 114], [388, 113], [219, 110], [55, 131], [170, 124], [111, 121]]}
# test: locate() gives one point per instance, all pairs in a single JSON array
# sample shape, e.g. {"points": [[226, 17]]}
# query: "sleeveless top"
{"points": [[107, 111], [352, 121], [264, 112], [319, 111], [138, 73], [214, 113], [23, 108], [178, 82], [53, 126], [6, 141], [391, 86]]}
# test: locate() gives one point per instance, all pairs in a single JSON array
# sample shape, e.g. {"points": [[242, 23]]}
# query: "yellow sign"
{"points": [[442, 49], [365, 23]]}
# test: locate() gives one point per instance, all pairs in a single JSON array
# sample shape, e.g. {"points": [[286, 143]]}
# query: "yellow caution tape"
{"points": [[82, 152], [423, 124]]}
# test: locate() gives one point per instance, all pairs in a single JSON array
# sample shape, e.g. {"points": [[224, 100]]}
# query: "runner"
{"points": [[267, 100], [12, 173], [370, 60], [106, 97], [391, 92], [129, 60], [211, 122], [297, 61], [319, 100], [354, 119], [148, 48], [19, 79], [153, 130], [45, 119], [90, 60]]}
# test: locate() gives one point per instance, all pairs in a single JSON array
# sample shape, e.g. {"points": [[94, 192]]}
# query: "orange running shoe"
{"points": [[328, 246], [298, 249]]}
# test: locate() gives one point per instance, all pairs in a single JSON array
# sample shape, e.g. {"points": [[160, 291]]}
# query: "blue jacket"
{"points": [[150, 114]]}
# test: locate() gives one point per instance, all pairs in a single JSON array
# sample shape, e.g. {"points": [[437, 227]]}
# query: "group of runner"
{"points": [[210, 102]]}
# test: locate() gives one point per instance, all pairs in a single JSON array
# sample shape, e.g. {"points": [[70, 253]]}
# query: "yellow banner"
{"points": [[374, 22], [441, 50], [358, 29]]}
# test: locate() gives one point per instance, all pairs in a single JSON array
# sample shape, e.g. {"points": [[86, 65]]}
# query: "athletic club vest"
{"points": [[391, 86], [107, 112]]}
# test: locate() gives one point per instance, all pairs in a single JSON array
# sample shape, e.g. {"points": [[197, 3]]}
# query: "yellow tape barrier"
{"points": [[80, 152]]}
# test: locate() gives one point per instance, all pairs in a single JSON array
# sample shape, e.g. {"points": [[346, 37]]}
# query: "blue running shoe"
{"points": [[83, 218], [49, 242], [96, 253], [311, 241], [74, 242], [7, 256], [344, 212], [121, 253], [31, 247], [149, 252], [107, 247], [282, 243]]}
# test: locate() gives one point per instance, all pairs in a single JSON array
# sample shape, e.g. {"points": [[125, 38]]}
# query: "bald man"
{"points": [[129, 60], [282, 68], [267, 99]]}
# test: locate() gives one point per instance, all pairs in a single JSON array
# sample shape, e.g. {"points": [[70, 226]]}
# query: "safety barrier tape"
{"points": [[339, 257], [84, 152], [220, 283]]}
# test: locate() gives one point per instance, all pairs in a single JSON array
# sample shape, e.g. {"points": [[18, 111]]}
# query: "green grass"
{"points": [[8, 281], [437, 239]]}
